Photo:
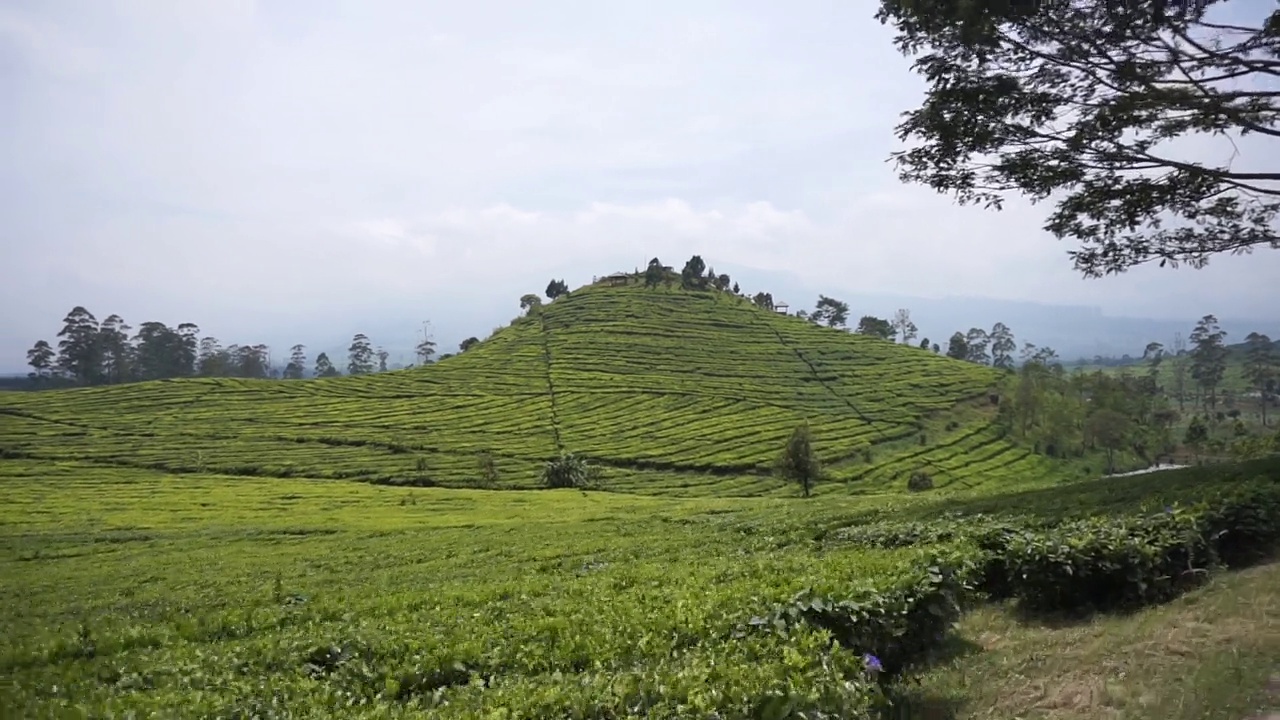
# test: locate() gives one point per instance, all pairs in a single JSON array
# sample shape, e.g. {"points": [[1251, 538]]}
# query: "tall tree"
{"points": [[1002, 346], [324, 366], [117, 353], [798, 462], [924, 344], [1075, 100], [830, 311], [691, 277], [1109, 429], [382, 356], [875, 327], [359, 355], [215, 361], [159, 351], [79, 353], [556, 288], [40, 357], [424, 350], [1180, 369], [188, 350], [958, 347], [654, 274], [902, 323], [1208, 358], [1260, 367], [251, 361], [297, 366], [978, 341]]}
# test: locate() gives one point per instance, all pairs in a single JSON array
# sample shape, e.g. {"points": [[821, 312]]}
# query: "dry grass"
{"points": [[1212, 654]]}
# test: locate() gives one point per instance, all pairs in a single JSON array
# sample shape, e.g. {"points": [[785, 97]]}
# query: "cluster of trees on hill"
{"points": [[90, 352]]}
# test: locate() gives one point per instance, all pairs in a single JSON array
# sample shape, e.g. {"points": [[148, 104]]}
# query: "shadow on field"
{"points": [[918, 704]]}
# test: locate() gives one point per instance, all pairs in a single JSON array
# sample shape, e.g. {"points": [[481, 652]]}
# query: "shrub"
{"points": [[488, 468], [919, 481], [569, 471]]}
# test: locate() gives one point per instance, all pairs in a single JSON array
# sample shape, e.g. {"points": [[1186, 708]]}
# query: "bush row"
{"points": [[1099, 563]]}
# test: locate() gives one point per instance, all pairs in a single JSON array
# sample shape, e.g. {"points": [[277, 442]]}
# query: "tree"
{"points": [[1208, 358], [902, 323], [1153, 353], [1260, 366], [567, 471], [214, 361], [1109, 429], [251, 361], [40, 357], [798, 463], [937, 349], [556, 288], [958, 347], [425, 349], [830, 311], [977, 341], [188, 349], [924, 344], [875, 327], [324, 367], [79, 352], [1180, 369], [117, 353], [297, 363], [1002, 346], [764, 300], [530, 303], [736, 290], [359, 356], [691, 276], [722, 282], [467, 344], [158, 351], [1073, 100], [654, 274], [1196, 435], [382, 356]]}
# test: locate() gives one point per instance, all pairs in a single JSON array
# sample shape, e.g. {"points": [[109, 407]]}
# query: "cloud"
{"points": [[314, 165]]}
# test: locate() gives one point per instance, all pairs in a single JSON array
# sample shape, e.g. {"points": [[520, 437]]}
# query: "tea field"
{"points": [[670, 392], [136, 593]]}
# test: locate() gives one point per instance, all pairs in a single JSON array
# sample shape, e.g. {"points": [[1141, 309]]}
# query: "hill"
{"points": [[670, 391]]}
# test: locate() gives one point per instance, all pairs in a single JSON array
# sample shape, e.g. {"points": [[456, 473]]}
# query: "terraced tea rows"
{"points": [[670, 391]]}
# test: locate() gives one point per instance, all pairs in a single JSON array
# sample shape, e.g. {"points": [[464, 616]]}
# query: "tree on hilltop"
{"points": [[903, 325], [359, 356], [958, 347], [875, 327], [798, 463], [831, 311], [467, 344], [978, 341], [79, 352], [691, 277], [764, 300], [1002, 346], [1074, 100], [425, 349], [654, 274], [530, 303], [556, 288]]}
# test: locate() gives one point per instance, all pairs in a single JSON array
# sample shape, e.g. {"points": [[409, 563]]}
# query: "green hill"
{"points": [[670, 391]]}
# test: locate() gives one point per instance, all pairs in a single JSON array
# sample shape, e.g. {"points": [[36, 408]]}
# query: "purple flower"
{"points": [[1168, 509], [872, 662]]}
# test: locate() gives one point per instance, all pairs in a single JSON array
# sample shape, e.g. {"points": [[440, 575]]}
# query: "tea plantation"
{"points": [[329, 548], [675, 393]]}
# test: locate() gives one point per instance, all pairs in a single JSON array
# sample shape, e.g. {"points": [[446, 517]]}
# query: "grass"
{"points": [[671, 392], [1210, 654]]}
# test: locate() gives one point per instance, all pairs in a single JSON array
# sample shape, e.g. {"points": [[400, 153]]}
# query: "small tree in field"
{"points": [[569, 471], [798, 463]]}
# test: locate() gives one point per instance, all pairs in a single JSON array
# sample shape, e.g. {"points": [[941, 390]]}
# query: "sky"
{"points": [[299, 170]]}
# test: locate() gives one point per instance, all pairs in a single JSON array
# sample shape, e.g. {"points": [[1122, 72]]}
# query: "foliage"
{"points": [[798, 463], [568, 471], [556, 288], [1261, 367], [1208, 358], [905, 328], [920, 481], [691, 276], [1076, 101], [831, 312], [530, 303], [324, 367], [958, 347], [875, 327], [360, 356]]}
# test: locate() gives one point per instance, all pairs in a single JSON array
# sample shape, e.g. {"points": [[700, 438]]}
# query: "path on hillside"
{"points": [[551, 388], [818, 377]]}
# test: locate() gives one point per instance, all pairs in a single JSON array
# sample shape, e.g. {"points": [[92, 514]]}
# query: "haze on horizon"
{"points": [[280, 166]]}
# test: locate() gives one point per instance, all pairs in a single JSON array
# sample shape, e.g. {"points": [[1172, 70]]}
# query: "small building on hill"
{"points": [[618, 278], [782, 308]]}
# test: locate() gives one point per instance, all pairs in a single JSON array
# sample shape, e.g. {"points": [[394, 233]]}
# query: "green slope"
{"points": [[672, 392]]}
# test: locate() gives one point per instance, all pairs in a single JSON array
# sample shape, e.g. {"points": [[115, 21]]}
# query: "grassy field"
{"points": [[671, 392], [213, 596]]}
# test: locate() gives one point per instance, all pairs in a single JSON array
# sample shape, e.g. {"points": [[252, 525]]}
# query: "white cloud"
{"points": [[252, 164]]}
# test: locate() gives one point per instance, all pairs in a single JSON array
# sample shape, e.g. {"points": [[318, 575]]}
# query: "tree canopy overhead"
{"points": [[1077, 99]]}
